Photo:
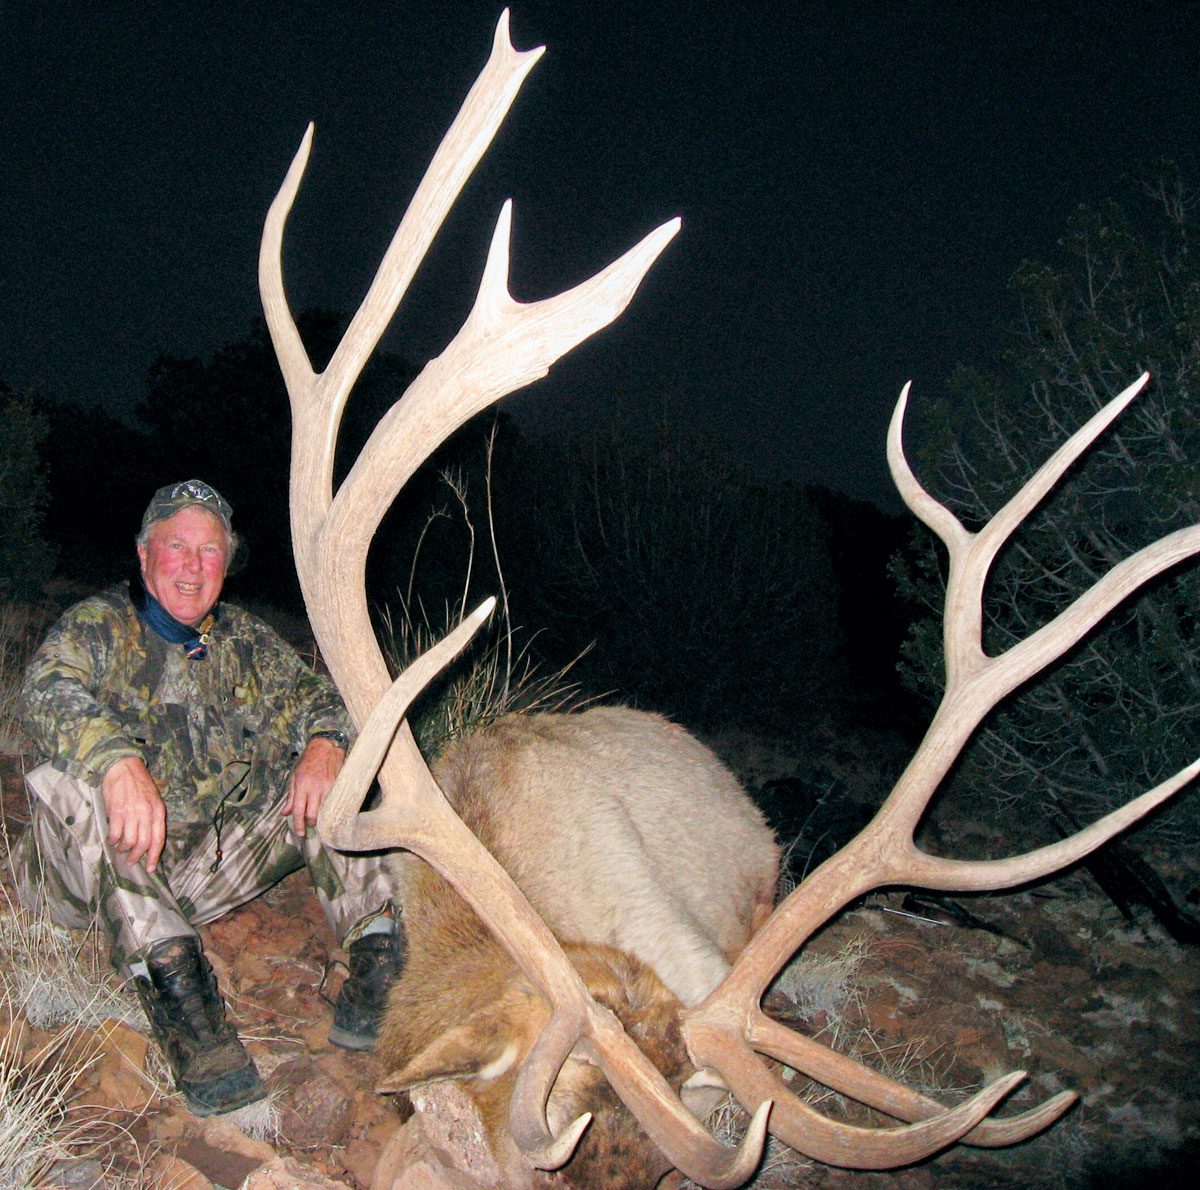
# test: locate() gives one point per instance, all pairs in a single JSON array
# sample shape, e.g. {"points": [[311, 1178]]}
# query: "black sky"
{"points": [[857, 182]]}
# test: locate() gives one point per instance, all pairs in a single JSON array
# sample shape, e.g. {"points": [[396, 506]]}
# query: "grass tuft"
{"points": [[59, 981], [55, 977], [496, 679], [259, 1121], [821, 985], [39, 1120], [21, 627]]}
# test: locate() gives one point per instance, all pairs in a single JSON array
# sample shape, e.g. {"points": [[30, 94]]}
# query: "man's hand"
{"points": [[137, 814], [312, 779]]}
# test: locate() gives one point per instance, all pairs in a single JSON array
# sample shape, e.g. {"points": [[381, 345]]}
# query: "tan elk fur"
{"points": [[642, 853]]}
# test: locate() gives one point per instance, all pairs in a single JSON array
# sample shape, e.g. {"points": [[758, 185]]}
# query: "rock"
{"points": [[360, 1159], [173, 1171], [412, 1161], [168, 1128], [221, 1133], [222, 1166], [74, 1175], [375, 1123], [124, 1089], [316, 1035], [285, 1173], [279, 1054], [250, 968], [13, 1030], [293, 936], [122, 1041], [119, 1073], [442, 1147], [228, 934], [316, 1109]]}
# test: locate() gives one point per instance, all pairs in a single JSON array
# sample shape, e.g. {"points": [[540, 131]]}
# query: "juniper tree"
{"points": [[1120, 712]]}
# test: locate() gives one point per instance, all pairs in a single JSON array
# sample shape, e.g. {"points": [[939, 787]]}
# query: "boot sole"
{"points": [[239, 1097], [358, 1042]]}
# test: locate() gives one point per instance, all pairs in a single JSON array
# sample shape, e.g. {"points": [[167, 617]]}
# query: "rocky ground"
{"points": [[1060, 986]]}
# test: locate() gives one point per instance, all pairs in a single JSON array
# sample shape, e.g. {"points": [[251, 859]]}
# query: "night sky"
{"points": [[857, 182]]}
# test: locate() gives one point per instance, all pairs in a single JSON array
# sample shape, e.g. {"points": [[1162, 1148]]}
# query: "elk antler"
{"points": [[501, 346], [729, 1030]]}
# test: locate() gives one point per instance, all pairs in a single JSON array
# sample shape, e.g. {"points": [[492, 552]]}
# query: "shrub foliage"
{"points": [[26, 558], [1117, 715]]}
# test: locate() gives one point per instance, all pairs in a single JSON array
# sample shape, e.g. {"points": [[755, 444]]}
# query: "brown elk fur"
{"points": [[647, 860]]}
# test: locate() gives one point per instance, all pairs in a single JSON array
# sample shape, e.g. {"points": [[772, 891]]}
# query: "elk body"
{"points": [[502, 346], [642, 854]]}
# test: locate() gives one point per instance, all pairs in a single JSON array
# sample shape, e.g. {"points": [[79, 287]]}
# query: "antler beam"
{"points": [[502, 346]]}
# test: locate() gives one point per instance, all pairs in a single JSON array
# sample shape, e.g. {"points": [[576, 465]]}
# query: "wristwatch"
{"points": [[337, 737]]}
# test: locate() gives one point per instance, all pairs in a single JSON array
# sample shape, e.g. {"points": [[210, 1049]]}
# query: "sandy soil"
{"points": [[1065, 989]]}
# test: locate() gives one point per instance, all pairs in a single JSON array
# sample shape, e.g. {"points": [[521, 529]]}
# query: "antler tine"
{"points": [[339, 821], [317, 402], [289, 347], [918, 501], [1001, 526], [689, 1147], [956, 875], [468, 138], [832, 1142], [502, 346], [972, 554], [527, 1108], [867, 1086]]}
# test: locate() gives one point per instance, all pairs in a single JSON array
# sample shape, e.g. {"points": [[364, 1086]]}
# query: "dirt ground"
{"points": [[1063, 988]]}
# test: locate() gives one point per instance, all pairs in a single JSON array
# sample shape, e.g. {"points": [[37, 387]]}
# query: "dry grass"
{"points": [[45, 1121], [21, 628], [499, 678], [56, 980], [821, 985], [56, 977], [259, 1121], [39, 1120]]}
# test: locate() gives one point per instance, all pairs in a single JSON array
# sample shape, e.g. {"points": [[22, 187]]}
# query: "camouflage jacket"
{"points": [[103, 686]]}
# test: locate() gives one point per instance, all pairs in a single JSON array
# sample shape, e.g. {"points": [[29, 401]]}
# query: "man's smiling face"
{"points": [[183, 563]]}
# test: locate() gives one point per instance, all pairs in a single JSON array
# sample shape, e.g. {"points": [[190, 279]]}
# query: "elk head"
{"points": [[502, 346]]}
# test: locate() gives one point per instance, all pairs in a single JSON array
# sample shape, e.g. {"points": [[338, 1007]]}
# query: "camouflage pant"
{"points": [[65, 857]]}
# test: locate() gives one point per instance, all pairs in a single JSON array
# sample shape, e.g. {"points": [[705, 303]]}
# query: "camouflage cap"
{"points": [[166, 502]]}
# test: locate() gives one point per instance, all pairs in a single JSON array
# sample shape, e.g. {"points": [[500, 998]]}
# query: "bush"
{"points": [[707, 595], [26, 558]]}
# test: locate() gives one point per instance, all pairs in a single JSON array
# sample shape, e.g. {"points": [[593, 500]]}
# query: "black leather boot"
{"points": [[187, 1017], [376, 961]]}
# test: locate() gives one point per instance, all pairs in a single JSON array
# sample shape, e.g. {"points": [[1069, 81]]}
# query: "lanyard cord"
{"points": [[218, 818]]}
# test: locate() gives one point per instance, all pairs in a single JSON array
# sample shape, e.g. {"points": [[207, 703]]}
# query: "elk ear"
{"points": [[467, 1052], [702, 1091]]}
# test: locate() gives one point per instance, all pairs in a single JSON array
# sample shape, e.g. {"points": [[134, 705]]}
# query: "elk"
{"points": [[641, 852], [501, 346]]}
